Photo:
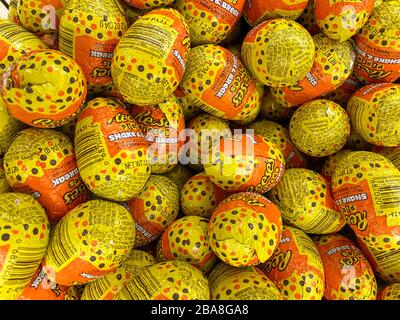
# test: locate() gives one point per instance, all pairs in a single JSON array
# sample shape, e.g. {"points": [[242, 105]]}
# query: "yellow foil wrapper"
{"points": [[107, 287], [320, 128], [187, 240], [172, 280], [24, 235], [90, 241], [305, 200], [246, 283]]}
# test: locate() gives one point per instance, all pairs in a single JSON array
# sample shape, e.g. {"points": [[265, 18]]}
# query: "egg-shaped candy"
{"points": [[258, 11], [245, 229], [154, 209], [378, 45], [199, 196], [278, 52], [92, 240], [218, 82], [245, 163], [333, 64], [365, 187], [305, 200], [348, 275], [245, 283], [342, 19], [162, 125], [111, 150], [44, 88], [210, 21], [319, 128], [374, 115], [296, 267], [42, 162], [186, 239], [89, 34], [107, 287], [24, 235], [173, 280], [150, 60]]}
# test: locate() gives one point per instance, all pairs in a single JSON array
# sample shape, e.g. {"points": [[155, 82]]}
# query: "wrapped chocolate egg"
{"points": [[179, 175], [390, 292], [42, 162], [258, 11], [245, 163], [278, 52], [296, 267], [15, 41], [40, 16], [89, 33], [41, 288], [307, 19], [348, 275], [273, 110], [107, 287], [205, 131], [245, 283], [148, 4], [365, 187], [9, 127], [378, 45], [162, 125], [305, 200], [331, 162], [320, 128], [44, 88], [333, 64], [92, 240], [218, 82], [199, 196], [374, 114], [245, 229], [4, 186], [210, 21], [186, 239], [154, 209], [171, 280], [111, 150], [150, 60], [342, 19], [279, 135], [24, 230]]}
